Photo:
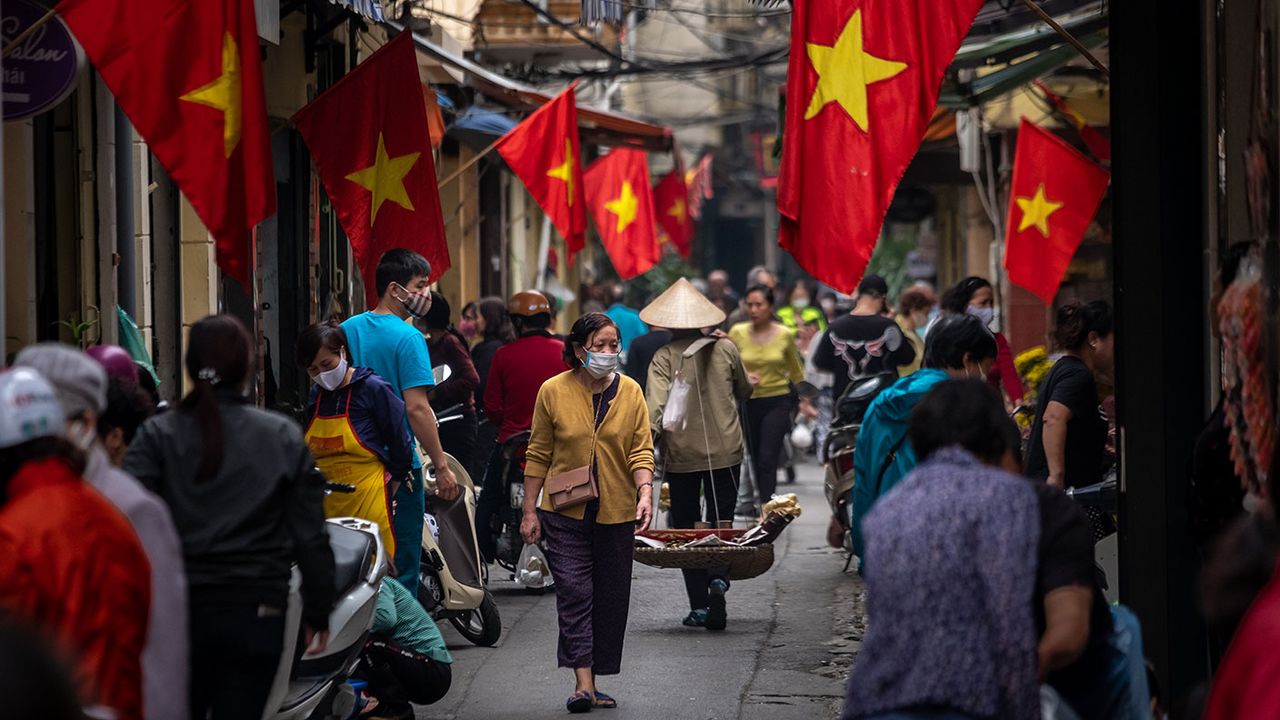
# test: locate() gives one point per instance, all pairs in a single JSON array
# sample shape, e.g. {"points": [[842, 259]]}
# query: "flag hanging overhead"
{"points": [[543, 151], [618, 192], [371, 144], [188, 74], [863, 82], [1093, 138], [1056, 192], [671, 203]]}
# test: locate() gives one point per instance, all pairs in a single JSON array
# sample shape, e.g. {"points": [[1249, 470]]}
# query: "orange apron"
{"points": [[344, 459]]}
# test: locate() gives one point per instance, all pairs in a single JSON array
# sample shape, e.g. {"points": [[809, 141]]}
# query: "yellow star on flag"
{"points": [[385, 179], [844, 72], [624, 206], [564, 171], [1036, 211], [678, 211], [223, 93]]}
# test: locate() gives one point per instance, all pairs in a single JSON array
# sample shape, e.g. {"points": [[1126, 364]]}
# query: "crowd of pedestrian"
{"points": [[152, 547]]}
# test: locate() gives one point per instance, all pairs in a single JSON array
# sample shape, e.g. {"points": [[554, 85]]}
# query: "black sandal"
{"points": [[604, 702], [581, 702]]}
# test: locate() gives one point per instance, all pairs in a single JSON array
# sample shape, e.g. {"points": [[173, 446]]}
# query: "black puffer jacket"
{"points": [[263, 511]]}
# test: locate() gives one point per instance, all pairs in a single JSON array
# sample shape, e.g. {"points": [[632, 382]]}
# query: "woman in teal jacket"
{"points": [[957, 346]]}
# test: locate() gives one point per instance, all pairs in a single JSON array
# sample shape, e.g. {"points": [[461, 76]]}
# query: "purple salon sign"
{"points": [[43, 69]]}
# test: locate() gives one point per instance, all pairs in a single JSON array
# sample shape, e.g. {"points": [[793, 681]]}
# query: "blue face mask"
{"points": [[985, 314]]}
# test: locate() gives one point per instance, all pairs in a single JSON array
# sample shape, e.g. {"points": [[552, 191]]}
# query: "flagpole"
{"points": [[22, 36], [544, 251], [464, 166], [1066, 35]]}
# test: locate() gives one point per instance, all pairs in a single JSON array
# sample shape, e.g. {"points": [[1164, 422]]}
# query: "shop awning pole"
{"points": [[1048, 20]]}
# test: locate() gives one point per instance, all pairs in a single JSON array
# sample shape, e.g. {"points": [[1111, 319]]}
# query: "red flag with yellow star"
{"points": [[371, 144], [543, 151], [189, 76], [671, 200], [862, 84], [618, 192], [1056, 192]]}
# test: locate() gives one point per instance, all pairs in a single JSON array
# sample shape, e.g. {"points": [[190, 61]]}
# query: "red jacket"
{"points": [[1247, 686], [519, 368], [71, 565]]}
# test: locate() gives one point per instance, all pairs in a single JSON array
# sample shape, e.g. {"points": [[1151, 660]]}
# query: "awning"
{"points": [[600, 127], [479, 126], [986, 88]]}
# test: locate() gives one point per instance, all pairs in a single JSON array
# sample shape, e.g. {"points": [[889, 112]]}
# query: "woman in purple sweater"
{"points": [[951, 569]]}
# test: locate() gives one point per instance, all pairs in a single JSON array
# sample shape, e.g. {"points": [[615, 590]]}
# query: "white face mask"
{"points": [[601, 365], [331, 379], [800, 303], [985, 314]]}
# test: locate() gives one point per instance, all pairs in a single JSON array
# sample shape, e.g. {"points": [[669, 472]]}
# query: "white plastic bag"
{"points": [[674, 416], [532, 571]]}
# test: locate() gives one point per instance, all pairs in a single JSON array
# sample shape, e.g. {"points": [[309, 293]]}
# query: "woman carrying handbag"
{"points": [[590, 462]]}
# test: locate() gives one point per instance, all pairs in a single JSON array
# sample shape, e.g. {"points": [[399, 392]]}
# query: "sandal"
{"points": [[581, 702], [604, 702], [695, 618]]}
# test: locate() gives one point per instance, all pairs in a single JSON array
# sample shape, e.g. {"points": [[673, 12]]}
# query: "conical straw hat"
{"points": [[682, 307]]}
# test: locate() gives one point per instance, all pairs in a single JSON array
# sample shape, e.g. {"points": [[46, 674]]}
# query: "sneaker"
{"points": [[695, 618], [717, 618]]}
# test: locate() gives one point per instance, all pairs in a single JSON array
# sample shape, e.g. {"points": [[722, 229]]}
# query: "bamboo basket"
{"points": [[744, 562]]}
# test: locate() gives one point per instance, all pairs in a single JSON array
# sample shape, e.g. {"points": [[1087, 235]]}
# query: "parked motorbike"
{"points": [[1101, 502], [316, 686], [527, 564], [838, 450], [451, 575]]}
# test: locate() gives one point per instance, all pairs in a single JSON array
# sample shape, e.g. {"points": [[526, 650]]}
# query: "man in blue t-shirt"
{"points": [[382, 341]]}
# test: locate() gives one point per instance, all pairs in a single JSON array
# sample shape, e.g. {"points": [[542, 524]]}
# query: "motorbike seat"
{"points": [[352, 554]]}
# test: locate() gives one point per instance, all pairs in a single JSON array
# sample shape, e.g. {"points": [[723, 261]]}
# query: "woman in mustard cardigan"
{"points": [[589, 546]]}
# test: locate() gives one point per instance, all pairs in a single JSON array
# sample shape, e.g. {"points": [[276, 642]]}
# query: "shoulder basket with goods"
{"points": [[747, 553]]}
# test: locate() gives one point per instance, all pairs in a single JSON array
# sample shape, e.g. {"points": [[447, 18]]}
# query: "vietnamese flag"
{"points": [[189, 75], [1097, 143], [863, 82], [371, 144], [1056, 192], [671, 198], [543, 151], [622, 205]]}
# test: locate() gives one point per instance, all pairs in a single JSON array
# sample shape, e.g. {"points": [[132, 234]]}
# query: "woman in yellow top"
{"points": [[773, 365], [591, 416]]}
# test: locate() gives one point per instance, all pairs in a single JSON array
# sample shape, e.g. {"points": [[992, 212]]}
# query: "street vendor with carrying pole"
{"points": [[695, 385]]}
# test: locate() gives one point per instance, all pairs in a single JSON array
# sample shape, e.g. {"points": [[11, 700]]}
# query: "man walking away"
{"points": [[864, 343]]}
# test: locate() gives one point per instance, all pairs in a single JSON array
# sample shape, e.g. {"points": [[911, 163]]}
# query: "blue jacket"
{"points": [[377, 416], [883, 427]]}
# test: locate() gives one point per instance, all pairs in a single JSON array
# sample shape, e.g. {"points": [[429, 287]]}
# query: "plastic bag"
{"points": [[532, 571], [674, 416]]}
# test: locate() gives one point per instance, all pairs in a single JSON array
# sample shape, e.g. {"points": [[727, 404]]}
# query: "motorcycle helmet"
{"points": [[29, 408], [116, 360], [528, 303]]}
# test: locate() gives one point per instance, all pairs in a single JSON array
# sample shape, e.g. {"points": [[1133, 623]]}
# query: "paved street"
{"points": [[791, 635]]}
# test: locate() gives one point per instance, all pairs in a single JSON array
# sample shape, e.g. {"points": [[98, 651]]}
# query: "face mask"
{"points": [[416, 304], [467, 328], [921, 321], [985, 314], [331, 379], [800, 303], [81, 435], [601, 365]]}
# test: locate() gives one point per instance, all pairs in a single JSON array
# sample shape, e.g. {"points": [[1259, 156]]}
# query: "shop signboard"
{"points": [[44, 68]]}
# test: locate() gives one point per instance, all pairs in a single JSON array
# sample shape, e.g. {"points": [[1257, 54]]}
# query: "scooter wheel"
{"points": [[482, 626]]}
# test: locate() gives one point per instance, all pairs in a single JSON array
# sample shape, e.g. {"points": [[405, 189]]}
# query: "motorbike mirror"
{"points": [[441, 373]]}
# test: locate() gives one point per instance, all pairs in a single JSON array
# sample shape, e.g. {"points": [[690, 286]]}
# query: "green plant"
{"points": [[79, 329]]}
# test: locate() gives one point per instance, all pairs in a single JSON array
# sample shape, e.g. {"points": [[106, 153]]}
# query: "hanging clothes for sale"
{"points": [[357, 435]]}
